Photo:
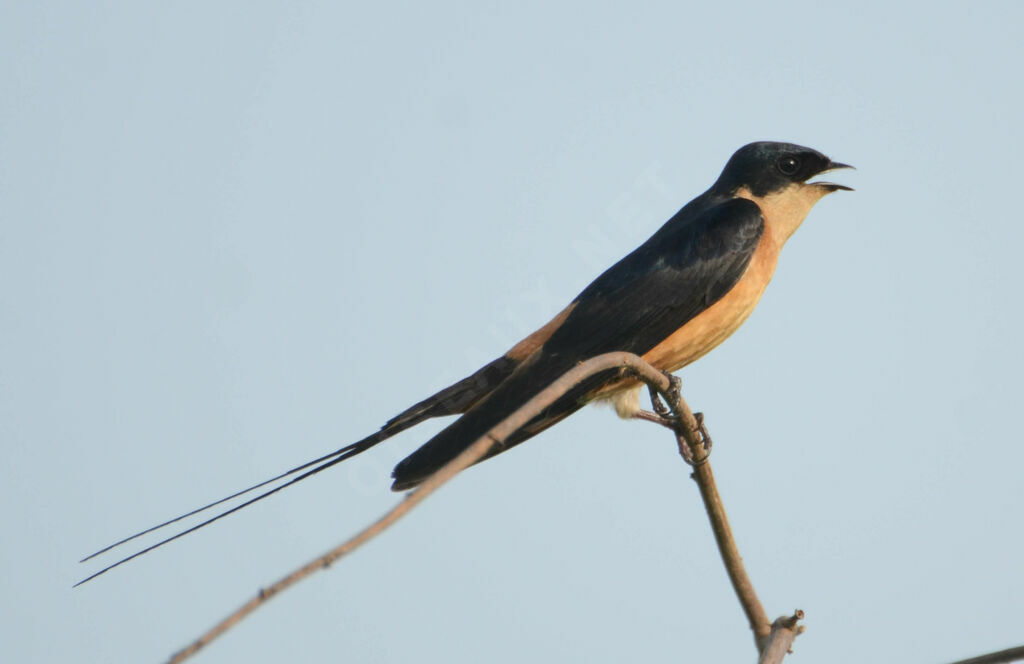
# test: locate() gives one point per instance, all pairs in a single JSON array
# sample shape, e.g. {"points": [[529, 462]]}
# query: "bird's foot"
{"points": [[705, 437], [674, 392], [666, 416], [687, 452]]}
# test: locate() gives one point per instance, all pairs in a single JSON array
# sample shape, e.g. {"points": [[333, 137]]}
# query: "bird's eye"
{"points": [[788, 165]]}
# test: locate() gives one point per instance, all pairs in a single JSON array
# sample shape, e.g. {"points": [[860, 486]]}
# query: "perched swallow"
{"points": [[670, 301]]}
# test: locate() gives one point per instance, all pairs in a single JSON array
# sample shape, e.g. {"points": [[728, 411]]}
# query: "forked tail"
{"points": [[324, 462], [454, 399]]}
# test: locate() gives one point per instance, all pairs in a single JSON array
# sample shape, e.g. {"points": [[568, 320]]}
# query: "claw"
{"points": [[685, 451], [705, 437]]}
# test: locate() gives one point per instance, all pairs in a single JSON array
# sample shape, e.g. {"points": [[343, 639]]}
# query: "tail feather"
{"points": [[332, 459], [218, 502], [457, 398], [451, 400]]}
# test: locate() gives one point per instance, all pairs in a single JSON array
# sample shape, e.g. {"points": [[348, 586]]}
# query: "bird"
{"points": [[671, 300]]}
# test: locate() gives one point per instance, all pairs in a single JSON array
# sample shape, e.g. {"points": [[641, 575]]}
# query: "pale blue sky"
{"points": [[234, 236]]}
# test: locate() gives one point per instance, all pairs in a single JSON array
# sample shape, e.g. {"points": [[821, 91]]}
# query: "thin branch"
{"points": [[741, 583], [692, 439], [694, 444], [1001, 657], [468, 457], [773, 640]]}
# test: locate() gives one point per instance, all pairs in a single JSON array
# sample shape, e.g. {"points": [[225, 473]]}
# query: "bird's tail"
{"points": [[311, 468], [451, 400]]}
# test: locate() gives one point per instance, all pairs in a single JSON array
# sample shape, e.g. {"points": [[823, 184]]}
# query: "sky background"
{"points": [[235, 236]]}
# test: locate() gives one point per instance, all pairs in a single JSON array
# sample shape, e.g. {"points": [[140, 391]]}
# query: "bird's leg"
{"points": [[662, 414], [675, 390], [656, 403], [667, 417], [667, 421]]}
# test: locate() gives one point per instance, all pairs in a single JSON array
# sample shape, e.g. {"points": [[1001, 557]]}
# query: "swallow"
{"points": [[672, 300]]}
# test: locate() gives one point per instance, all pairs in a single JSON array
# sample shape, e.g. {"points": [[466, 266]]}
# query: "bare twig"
{"points": [[783, 631], [691, 438], [1001, 657], [741, 582], [468, 457]]}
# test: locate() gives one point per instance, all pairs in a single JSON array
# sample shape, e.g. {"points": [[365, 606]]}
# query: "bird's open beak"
{"points": [[832, 186]]}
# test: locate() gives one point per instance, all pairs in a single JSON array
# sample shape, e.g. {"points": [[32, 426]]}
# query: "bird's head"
{"points": [[767, 167]]}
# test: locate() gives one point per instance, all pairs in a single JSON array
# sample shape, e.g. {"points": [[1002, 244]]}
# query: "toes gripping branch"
{"points": [[691, 433]]}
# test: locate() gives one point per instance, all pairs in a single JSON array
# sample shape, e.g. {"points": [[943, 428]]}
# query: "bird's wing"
{"points": [[691, 263]]}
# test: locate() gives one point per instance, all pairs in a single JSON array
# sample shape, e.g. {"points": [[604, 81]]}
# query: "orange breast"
{"points": [[714, 325]]}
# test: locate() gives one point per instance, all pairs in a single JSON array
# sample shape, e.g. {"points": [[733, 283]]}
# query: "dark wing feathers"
{"points": [[689, 264], [680, 271]]}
